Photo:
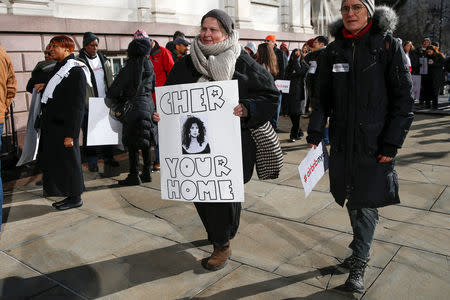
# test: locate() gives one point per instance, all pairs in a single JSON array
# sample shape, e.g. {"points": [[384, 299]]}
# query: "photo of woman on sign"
{"points": [[194, 139]]}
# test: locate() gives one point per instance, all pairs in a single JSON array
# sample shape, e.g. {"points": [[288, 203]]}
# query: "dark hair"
{"points": [[266, 57], [408, 42], [186, 137], [292, 58], [431, 48], [178, 34], [63, 41], [322, 39]]}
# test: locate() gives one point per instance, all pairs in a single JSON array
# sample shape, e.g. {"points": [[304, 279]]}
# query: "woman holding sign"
{"points": [[365, 88], [216, 56], [62, 106]]}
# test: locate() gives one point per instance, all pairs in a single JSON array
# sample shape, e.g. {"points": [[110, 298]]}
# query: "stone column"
{"points": [[242, 14], [143, 11], [163, 11], [305, 16]]}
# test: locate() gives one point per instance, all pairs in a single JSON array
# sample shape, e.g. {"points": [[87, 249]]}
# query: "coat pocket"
{"points": [[370, 137]]}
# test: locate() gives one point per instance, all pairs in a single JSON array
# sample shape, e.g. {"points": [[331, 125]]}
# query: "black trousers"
{"points": [[221, 220], [133, 156], [295, 129]]}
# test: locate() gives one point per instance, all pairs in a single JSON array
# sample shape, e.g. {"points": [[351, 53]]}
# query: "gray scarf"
{"points": [[216, 61]]}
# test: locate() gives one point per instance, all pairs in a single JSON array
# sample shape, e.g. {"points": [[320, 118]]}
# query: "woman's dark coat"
{"points": [[370, 110], [295, 72], [257, 91], [436, 74], [61, 118], [139, 131]]}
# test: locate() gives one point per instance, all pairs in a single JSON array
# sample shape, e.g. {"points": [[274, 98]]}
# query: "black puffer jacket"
{"points": [[136, 81], [366, 89], [436, 74], [257, 91]]}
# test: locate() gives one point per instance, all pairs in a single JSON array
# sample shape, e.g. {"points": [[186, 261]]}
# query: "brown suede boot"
{"points": [[218, 259]]}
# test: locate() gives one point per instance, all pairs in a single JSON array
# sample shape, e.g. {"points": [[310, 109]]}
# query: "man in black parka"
{"points": [[366, 89]]}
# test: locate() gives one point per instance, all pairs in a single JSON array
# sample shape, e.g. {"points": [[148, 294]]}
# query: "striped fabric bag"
{"points": [[269, 157]]}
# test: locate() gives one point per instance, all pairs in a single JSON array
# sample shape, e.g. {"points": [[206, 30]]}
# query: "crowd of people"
{"points": [[356, 92]]}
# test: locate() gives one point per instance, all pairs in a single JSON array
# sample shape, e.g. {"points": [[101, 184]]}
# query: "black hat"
{"points": [[139, 47], [180, 40], [222, 17], [435, 44], [88, 37]]}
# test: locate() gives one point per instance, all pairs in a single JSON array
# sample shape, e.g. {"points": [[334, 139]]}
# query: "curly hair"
{"points": [[186, 137]]}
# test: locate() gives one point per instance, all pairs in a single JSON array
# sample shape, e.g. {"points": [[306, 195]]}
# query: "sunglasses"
{"points": [[345, 10], [46, 53]]}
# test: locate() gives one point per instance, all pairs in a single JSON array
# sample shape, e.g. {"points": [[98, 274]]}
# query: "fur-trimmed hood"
{"points": [[384, 19]]}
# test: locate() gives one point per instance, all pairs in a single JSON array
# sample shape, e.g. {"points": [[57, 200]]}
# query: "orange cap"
{"points": [[271, 37]]}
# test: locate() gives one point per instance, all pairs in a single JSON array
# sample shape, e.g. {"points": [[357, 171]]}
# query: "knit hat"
{"points": [[271, 37], [427, 39], [180, 40], [88, 37], [369, 4], [224, 19], [251, 46], [139, 47], [140, 34]]}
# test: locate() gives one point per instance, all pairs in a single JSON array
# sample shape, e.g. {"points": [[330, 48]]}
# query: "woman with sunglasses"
{"points": [[365, 88]]}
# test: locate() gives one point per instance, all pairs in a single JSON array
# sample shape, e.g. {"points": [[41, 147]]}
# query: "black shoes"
{"points": [[112, 162], [146, 176], [68, 203], [355, 280], [132, 179], [291, 140], [93, 167]]}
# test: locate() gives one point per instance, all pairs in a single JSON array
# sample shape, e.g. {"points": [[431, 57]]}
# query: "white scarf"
{"points": [[59, 76], [216, 61]]}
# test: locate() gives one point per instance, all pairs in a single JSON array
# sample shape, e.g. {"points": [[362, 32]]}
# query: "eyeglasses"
{"points": [[357, 9], [268, 41], [46, 53]]}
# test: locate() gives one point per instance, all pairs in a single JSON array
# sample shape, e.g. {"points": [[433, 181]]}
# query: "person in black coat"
{"points": [[365, 88], [40, 73], [258, 98], [135, 83], [62, 113], [434, 80], [295, 72]]}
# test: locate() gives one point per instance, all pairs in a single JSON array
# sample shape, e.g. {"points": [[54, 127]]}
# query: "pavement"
{"points": [[126, 243]]}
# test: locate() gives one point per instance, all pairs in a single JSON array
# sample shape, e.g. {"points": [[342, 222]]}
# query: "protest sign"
{"points": [[283, 85], [200, 142], [102, 128], [31, 144], [416, 85], [423, 65], [313, 167]]}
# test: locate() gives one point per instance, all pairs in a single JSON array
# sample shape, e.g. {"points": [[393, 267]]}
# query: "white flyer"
{"points": [[102, 128], [313, 167]]}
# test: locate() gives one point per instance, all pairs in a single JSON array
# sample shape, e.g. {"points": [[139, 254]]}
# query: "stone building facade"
{"points": [[26, 26]]}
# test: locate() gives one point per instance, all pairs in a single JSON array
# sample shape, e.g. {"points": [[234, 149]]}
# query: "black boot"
{"points": [[146, 175], [132, 179], [355, 280]]}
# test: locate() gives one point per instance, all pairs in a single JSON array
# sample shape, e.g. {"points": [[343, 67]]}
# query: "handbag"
{"points": [[269, 156], [120, 110]]}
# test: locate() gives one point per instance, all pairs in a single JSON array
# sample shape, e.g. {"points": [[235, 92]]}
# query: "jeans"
{"points": [[276, 115], [363, 221], [1, 184]]}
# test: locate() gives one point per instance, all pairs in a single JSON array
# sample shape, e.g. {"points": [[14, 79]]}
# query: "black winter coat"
{"points": [[40, 73], [257, 91], [282, 62], [436, 74], [135, 82], [295, 72], [366, 89], [61, 118]]}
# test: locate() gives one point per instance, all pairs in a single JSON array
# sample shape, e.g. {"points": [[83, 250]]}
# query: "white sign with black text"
{"points": [[313, 167], [200, 142]]}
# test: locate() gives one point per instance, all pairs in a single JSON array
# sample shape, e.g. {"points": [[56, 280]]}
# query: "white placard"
{"points": [[312, 67], [102, 128], [313, 167], [283, 85], [31, 144], [423, 65], [416, 79], [200, 142]]}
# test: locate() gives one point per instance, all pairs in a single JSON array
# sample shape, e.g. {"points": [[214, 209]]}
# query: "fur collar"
{"points": [[384, 19]]}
